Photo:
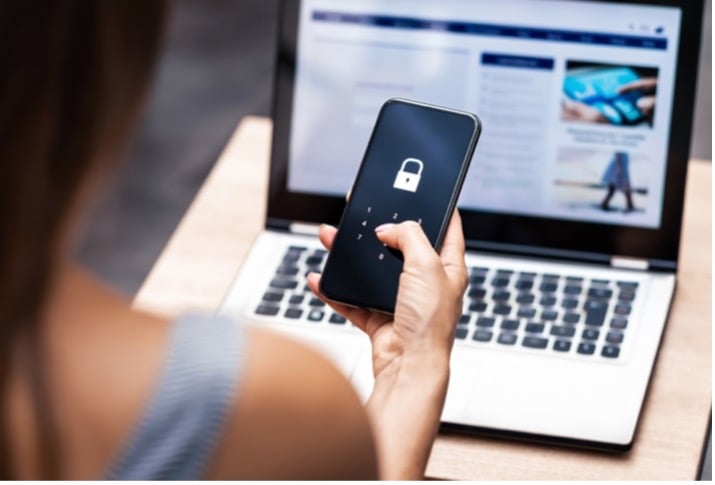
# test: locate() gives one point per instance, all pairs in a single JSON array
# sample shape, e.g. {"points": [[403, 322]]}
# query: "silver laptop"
{"points": [[572, 206]]}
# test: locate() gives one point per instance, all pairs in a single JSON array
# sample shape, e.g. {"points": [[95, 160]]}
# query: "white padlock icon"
{"points": [[409, 181]]}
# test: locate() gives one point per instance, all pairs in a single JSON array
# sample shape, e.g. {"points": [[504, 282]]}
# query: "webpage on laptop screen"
{"points": [[575, 97]]}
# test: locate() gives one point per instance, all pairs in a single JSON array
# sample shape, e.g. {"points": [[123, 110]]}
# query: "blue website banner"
{"points": [[471, 28], [508, 60]]}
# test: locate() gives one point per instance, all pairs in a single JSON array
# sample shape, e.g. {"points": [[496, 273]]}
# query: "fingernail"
{"points": [[384, 227]]}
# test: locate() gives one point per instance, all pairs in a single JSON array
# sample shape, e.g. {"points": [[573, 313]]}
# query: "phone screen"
{"points": [[413, 169]]}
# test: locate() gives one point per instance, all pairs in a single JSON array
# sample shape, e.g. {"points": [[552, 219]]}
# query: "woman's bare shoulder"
{"points": [[293, 415]]}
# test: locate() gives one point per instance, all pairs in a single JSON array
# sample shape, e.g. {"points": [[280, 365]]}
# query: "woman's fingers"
{"points": [[452, 253], [326, 233], [646, 84], [410, 239], [357, 316]]}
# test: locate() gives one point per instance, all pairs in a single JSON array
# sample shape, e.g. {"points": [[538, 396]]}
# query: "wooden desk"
{"points": [[201, 259]]}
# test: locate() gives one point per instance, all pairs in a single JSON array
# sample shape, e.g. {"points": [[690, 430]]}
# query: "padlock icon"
{"points": [[409, 181]]}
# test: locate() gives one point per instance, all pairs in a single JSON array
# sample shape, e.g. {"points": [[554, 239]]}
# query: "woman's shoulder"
{"points": [[274, 405], [295, 417]]}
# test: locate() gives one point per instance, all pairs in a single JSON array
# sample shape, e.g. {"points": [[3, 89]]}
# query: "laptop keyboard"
{"points": [[288, 295], [503, 308]]}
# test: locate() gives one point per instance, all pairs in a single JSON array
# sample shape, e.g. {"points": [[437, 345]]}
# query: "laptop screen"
{"points": [[587, 110], [575, 98]]}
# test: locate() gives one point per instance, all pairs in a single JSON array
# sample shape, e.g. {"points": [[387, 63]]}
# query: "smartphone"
{"points": [[413, 169]]}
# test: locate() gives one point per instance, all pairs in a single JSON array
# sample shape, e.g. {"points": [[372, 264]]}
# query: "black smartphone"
{"points": [[413, 169]]}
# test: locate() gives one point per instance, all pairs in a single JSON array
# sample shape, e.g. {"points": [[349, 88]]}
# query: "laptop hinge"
{"points": [[305, 229], [622, 262]]}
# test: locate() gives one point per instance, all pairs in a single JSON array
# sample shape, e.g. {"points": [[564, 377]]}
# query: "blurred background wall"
{"points": [[217, 67]]}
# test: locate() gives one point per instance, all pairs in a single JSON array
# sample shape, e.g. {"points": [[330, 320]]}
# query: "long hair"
{"points": [[74, 74]]}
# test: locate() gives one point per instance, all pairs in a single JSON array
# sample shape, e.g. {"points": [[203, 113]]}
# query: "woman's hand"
{"points": [[411, 348]]}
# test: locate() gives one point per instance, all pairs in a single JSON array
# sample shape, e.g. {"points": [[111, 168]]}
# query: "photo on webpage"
{"points": [[618, 95]]}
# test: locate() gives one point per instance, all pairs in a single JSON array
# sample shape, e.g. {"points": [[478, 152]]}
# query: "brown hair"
{"points": [[74, 75]]}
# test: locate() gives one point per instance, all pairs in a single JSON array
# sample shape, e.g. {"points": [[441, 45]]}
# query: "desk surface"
{"points": [[199, 263]]}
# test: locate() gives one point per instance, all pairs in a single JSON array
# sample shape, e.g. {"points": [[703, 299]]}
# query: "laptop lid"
{"points": [[587, 110]]}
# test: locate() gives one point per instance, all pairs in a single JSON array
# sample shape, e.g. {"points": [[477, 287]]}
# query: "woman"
{"points": [[617, 177], [91, 388]]}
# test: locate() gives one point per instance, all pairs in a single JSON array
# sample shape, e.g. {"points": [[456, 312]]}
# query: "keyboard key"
{"points": [[315, 315], [562, 345], [320, 252], [614, 337], [296, 299], [595, 312], [572, 318], [507, 339], [572, 290], [502, 309], [610, 351], [314, 261], [477, 270], [501, 296], [500, 282], [482, 336], [485, 322], [628, 284], [525, 298], [293, 313], [505, 272], [272, 297], [306, 289], [534, 327], [600, 282], [548, 300], [569, 304], [526, 274], [622, 309], [548, 287], [619, 323], [600, 293], [590, 334], [549, 315], [477, 293], [337, 319], [291, 257], [316, 302], [574, 279], [586, 348], [626, 296], [282, 284], [524, 284], [535, 342], [461, 333], [477, 306], [477, 280], [552, 276], [287, 270], [526, 312], [298, 249], [464, 319], [269, 310], [563, 331], [510, 324]]}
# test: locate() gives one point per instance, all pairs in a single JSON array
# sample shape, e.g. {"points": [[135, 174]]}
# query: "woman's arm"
{"points": [[295, 418]]}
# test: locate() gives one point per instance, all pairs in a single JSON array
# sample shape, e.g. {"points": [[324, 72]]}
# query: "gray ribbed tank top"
{"points": [[178, 432]]}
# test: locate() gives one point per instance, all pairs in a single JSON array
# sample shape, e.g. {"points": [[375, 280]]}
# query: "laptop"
{"points": [[572, 206]]}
